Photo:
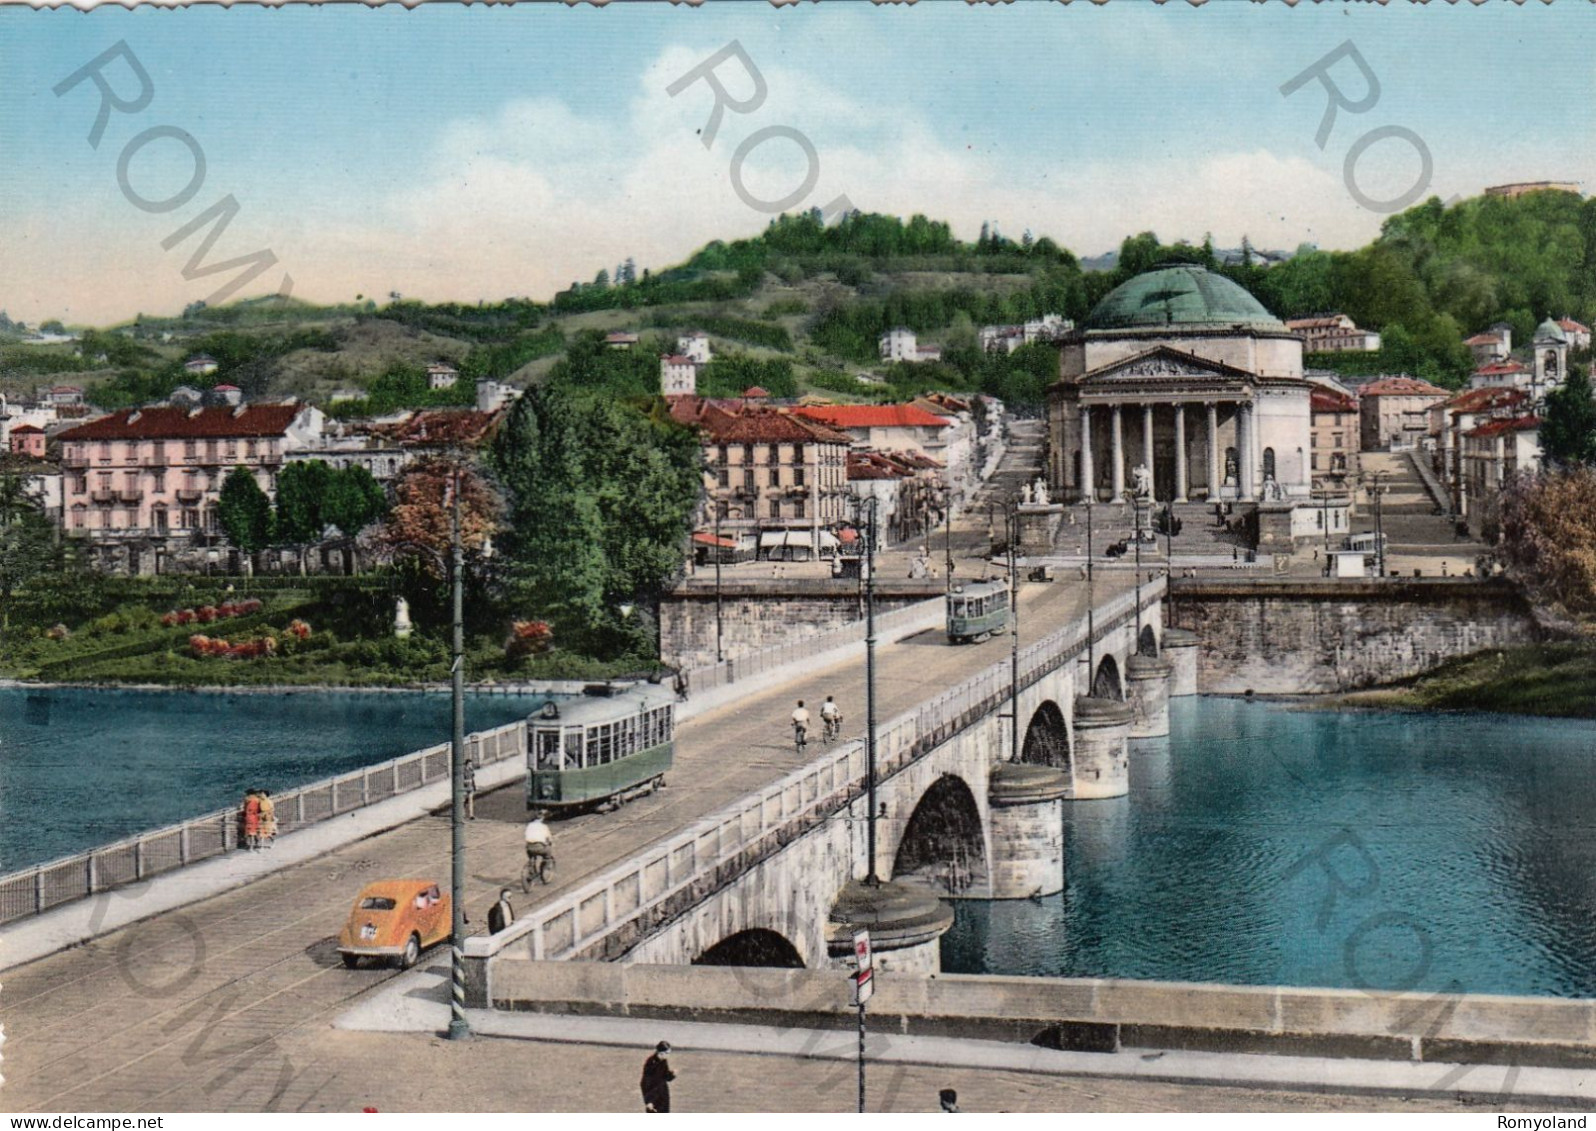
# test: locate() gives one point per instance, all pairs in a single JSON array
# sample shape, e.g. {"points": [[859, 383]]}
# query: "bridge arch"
{"points": [[943, 844], [1147, 643], [1106, 682], [753, 947], [1047, 738]]}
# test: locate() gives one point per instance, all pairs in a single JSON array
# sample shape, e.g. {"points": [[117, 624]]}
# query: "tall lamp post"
{"points": [[1012, 529], [1091, 604], [720, 651], [1137, 504], [1374, 488], [871, 878], [459, 1027]]}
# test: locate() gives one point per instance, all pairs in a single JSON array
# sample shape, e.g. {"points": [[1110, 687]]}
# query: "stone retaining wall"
{"points": [[1288, 636], [1093, 1015]]}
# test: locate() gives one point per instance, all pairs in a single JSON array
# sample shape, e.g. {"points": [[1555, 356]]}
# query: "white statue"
{"points": [[1041, 492], [1143, 477], [401, 619], [1025, 494]]}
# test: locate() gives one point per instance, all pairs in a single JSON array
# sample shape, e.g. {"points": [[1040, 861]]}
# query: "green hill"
{"points": [[799, 307]]}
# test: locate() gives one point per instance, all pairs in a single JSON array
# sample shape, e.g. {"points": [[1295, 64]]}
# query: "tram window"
{"points": [[548, 749], [573, 749], [956, 608]]}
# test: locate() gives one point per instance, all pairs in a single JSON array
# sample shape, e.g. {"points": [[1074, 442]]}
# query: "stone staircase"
{"points": [[1407, 508], [1020, 464]]}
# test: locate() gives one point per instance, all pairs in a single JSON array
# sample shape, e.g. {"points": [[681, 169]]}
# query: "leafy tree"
{"points": [[354, 500], [27, 539], [301, 491], [422, 514], [1568, 430], [52, 327], [244, 511], [1548, 537]]}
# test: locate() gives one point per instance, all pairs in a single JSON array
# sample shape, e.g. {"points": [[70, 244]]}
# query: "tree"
{"points": [[301, 490], [245, 512], [1568, 430], [354, 501], [27, 539], [1548, 536], [421, 516]]}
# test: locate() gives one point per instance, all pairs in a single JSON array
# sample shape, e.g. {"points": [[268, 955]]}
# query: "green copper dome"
{"points": [[1550, 331], [1180, 295]]}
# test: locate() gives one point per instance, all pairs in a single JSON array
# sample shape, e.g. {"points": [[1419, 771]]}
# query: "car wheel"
{"points": [[351, 961], [412, 953]]}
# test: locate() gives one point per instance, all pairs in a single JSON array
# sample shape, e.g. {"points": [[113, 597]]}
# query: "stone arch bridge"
{"points": [[774, 879]]}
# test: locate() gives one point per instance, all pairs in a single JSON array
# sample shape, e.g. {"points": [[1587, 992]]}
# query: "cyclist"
{"points": [[539, 845], [831, 716], [800, 725]]}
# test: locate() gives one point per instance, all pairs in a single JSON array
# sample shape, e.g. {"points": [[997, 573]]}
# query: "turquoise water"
{"points": [[80, 768], [1266, 845]]}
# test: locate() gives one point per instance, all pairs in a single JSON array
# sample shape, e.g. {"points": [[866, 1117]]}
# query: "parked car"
{"points": [[395, 919]]}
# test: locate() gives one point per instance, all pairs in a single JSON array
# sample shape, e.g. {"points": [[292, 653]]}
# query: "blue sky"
{"points": [[469, 153]]}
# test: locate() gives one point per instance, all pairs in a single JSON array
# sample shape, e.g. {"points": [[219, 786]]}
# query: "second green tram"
{"points": [[977, 611], [600, 750]]}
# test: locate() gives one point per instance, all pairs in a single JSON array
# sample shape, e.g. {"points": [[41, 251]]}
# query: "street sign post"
{"points": [[864, 985]]}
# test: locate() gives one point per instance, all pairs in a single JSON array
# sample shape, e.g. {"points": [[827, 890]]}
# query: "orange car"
{"points": [[395, 919]]}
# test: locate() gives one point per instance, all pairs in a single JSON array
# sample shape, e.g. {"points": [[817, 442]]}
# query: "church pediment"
{"points": [[1164, 366]]}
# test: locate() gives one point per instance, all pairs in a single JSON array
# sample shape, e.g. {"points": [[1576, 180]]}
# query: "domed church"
{"points": [[1181, 371]]}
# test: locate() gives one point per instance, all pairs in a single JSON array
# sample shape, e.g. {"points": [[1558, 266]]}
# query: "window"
{"points": [[252, 449], [1313, 462], [775, 508], [798, 476], [573, 749], [774, 455], [723, 478], [1335, 440], [798, 508], [748, 477], [190, 449], [160, 480], [775, 476], [798, 453], [721, 456], [376, 903]]}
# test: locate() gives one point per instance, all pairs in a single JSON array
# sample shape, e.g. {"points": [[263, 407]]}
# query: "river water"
{"points": [[80, 768], [1263, 844]]}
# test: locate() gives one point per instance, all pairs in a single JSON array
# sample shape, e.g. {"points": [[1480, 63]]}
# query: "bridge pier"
{"points": [[905, 925], [1102, 747], [1147, 680], [1180, 647], [1027, 826]]}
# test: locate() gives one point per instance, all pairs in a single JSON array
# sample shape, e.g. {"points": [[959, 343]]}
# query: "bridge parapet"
{"points": [[606, 917]]}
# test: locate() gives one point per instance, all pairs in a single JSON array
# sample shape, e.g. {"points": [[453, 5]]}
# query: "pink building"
{"points": [[27, 440], [148, 479]]}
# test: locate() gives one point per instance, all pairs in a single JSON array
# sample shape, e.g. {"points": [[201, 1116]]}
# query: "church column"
{"points": [[1244, 430], [1088, 483], [1147, 442], [1117, 439], [1214, 476], [1180, 453]]}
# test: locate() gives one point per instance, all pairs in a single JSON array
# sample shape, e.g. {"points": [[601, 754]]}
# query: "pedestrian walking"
{"points": [[469, 772], [949, 1099], [268, 819], [501, 914], [657, 1077], [250, 820]]}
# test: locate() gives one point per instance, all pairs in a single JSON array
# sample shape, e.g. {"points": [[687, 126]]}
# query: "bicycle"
{"points": [[800, 737], [833, 728], [539, 868]]}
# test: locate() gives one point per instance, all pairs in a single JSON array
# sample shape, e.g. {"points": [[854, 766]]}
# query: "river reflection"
{"points": [[1460, 847], [80, 768]]}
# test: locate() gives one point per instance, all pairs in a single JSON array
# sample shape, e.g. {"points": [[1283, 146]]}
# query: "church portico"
{"points": [[1152, 380]]}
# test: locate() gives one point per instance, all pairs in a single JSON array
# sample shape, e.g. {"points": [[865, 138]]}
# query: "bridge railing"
{"points": [[35, 890], [711, 676], [639, 892]]}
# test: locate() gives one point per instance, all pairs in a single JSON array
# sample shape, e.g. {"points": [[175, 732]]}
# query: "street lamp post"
{"points": [[720, 651], [459, 1027], [1136, 505], [1012, 516], [870, 697], [1091, 604]]}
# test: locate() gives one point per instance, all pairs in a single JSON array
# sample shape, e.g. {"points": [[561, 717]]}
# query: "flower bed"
{"points": [[208, 614]]}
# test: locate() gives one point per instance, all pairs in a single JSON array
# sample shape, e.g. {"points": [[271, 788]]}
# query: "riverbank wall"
{"points": [[1292, 636], [1078, 1014]]}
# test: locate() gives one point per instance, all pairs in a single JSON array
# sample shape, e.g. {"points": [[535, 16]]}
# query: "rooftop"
{"points": [[1401, 387], [1328, 400], [872, 416], [1501, 427], [1478, 400], [1179, 295], [169, 422]]}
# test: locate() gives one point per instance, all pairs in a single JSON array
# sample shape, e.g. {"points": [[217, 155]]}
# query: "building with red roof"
{"points": [[1332, 437], [1491, 345], [1501, 374], [1394, 412], [143, 483], [1496, 450], [1454, 418], [1578, 334], [27, 440]]}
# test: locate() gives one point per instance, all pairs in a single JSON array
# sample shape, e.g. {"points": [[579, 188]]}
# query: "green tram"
{"points": [[601, 750], [976, 611]]}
